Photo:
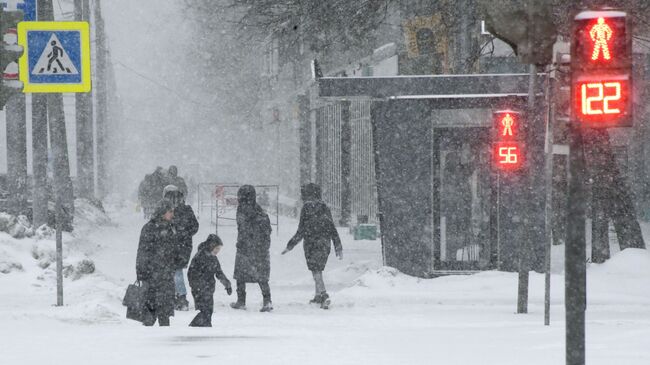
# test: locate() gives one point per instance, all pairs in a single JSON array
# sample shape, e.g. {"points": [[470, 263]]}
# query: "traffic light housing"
{"points": [[9, 53], [508, 147], [601, 68]]}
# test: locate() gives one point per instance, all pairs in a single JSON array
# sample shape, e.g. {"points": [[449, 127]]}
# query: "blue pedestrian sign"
{"points": [[56, 57]]}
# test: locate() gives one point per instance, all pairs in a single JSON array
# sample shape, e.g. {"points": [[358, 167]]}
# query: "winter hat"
{"points": [[162, 207], [246, 195], [172, 193], [310, 192], [210, 243], [169, 188]]}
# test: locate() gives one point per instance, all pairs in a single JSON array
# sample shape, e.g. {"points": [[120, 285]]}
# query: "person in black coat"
{"points": [[205, 267], [316, 228], [155, 265], [186, 227], [172, 178], [252, 261]]}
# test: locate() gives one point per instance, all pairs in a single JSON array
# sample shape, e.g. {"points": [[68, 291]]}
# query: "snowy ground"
{"points": [[378, 316]]}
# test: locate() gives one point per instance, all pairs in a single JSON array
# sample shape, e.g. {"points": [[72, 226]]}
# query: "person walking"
{"points": [[172, 178], [252, 260], [317, 230], [155, 265], [186, 226], [205, 267]]}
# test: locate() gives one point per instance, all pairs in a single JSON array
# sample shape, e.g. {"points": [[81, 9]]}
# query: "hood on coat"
{"points": [[162, 207], [210, 243], [174, 195], [247, 195], [172, 171], [310, 192]]}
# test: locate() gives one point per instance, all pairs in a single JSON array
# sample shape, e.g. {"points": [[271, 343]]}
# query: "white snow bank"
{"points": [[623, 280]]}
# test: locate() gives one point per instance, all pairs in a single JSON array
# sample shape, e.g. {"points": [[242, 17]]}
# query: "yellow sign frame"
{"points": [[23, 63]]}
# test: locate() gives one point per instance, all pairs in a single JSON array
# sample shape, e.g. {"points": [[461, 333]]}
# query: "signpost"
{"points": [[601, 78], [56, 58]]}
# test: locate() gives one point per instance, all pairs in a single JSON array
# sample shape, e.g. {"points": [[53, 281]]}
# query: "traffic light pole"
{"points": [[548, 226], [575, 254], [526, 251]]}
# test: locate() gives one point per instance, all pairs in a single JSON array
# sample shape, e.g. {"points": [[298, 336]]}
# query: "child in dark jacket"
{"points": [[201, 275]]}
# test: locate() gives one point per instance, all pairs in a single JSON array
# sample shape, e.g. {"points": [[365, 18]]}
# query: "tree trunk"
{"points": [[102, 103], [17, 153], [84, 126]]}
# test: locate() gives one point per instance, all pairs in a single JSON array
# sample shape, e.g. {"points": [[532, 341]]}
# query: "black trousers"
{"points": [[149, 318], [205, 305], [202, 319], [264, 287]]}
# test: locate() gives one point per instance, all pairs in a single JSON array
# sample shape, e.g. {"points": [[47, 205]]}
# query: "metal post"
{"points": [[526, 250], [59, 251], [548, 211], [575, 255], [346, 162]]}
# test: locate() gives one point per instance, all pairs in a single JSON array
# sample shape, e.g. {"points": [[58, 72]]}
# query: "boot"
{"points": [[238, 305], [267, 306], [181, 303], [325, 304], [241, 297], [318, 299]]}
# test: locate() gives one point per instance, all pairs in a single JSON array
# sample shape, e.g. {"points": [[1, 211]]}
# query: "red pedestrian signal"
{"points": [[601, 64], [508, 153]]}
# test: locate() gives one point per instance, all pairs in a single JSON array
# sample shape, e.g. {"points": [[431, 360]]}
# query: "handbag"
{"points": [[134, 301]]}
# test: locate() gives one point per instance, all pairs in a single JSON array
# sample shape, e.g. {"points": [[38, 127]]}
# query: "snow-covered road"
{"points": [[378, 316]]}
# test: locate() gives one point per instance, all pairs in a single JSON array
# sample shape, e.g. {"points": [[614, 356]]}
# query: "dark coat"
{"points": [[155, 265], [201, 275], [186, 226], [252, 262], [316, 228]]}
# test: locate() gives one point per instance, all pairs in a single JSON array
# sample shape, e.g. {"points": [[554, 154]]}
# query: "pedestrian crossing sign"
{"points": [[56, 57]]}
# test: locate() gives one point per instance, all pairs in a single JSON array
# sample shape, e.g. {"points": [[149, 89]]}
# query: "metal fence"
{"points": [[221, 201], [362, 175], [328, 153]]}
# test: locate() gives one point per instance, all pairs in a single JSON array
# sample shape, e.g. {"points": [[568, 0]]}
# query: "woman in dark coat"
{"points": [[155, 265], [252, 262], [186, 227], [205, 267], [318, 231]]}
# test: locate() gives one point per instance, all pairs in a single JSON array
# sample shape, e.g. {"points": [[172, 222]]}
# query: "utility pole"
{"points": [[102, 102], [84, 125]]}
